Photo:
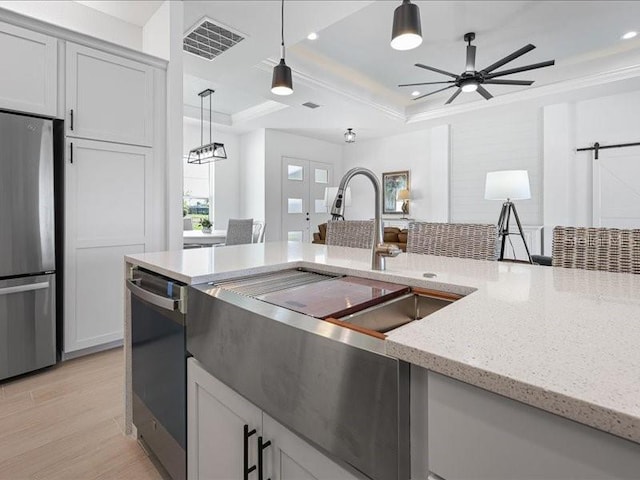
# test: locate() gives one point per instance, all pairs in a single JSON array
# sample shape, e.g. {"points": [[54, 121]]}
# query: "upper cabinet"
{"points": [[108, 98], [29, 71]]}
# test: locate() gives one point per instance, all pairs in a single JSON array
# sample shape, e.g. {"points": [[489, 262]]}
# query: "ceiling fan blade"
{"points": [[509, 82], [481, 90], [425, 83], [437, 70], [520, 69], [508, 58], [453, 97], [471, 58], [431, 93]]}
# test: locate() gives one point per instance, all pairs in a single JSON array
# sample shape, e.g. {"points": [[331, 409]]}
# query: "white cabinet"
{"points": [[107, 216], [108, 98], [218, 422], [29, 71], [477, 434]]}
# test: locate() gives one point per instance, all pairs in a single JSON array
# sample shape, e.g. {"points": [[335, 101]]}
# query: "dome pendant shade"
{"points": [[407, 31], [282, 84]]}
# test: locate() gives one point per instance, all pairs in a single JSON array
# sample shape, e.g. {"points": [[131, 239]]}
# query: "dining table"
{"points": [[198, 237]]}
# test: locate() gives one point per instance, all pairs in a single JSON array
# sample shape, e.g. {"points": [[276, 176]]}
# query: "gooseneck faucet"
{"points": [[379, 250]]}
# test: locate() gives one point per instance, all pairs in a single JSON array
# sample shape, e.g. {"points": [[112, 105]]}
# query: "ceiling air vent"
{"points": [[209, 39], [310, 105]]}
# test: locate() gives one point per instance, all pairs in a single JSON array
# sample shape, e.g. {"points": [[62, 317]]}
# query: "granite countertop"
{"points": [[563, 340]]}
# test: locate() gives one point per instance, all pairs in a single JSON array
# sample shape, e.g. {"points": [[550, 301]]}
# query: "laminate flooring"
{"points": [[66, 423]]}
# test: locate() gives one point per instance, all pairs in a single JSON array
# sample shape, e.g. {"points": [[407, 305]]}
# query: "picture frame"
{"points": [[392, 182]]}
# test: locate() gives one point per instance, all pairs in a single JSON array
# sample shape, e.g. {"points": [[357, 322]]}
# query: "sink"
{"points": [[397, 312]]}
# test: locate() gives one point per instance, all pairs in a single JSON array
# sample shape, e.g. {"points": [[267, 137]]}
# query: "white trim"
{"points": [[62, 33], [193, 112], [257, 111]]}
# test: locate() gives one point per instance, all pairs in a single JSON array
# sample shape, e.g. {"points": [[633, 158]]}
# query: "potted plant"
{"points": [[206, 225]]}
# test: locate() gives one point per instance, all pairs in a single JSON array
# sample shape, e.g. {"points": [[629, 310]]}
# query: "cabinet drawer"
{"points": [[108, 98], [475, 434], [29, 71]]}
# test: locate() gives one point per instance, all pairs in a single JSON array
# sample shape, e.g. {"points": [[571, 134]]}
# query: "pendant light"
{"points": [[350, 136], [407, 32], [212, 151], [281, 83]]}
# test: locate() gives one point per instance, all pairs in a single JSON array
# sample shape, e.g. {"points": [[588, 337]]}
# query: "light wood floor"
{"points": [[66, 422]]}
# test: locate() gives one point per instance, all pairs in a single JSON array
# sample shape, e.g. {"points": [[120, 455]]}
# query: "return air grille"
{"points": [[209, 40], [310, 105]]}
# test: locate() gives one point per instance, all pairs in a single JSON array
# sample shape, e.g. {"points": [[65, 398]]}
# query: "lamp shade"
{"points": [[404, 194], [407, 31], [507, 184], [281, 82], [330, 196]]}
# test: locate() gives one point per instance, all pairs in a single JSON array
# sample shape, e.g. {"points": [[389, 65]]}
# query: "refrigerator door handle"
{"points": [[24, 288]]}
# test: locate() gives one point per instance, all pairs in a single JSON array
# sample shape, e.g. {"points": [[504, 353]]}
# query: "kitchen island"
{"points": [[563, 341]]}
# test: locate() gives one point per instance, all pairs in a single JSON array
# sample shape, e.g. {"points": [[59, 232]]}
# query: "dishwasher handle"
{"points": [[152, 298]]}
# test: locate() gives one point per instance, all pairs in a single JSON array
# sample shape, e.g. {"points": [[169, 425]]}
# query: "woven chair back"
{"points": [[350, 233], [462, 240], [590, 248]]}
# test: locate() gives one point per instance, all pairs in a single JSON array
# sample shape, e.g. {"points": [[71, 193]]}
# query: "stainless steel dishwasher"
{"points": [[158, 308], [330, 385]]}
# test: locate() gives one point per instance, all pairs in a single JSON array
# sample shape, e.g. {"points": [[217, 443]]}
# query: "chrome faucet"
{"points": [[379, 249]]}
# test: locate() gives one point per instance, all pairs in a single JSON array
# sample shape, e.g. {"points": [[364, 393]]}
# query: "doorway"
{"points": [[303, 205]]}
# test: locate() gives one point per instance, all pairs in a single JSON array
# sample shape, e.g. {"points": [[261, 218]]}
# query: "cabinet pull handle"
{"points": [[71, 125], [71, 152], [261, 446], [247, 470]]}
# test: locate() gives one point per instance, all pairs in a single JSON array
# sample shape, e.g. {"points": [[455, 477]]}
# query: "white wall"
{"points": [[425, 153], [252, 175], [280, 144], [155, 33], [226, 201], [82, 19]]}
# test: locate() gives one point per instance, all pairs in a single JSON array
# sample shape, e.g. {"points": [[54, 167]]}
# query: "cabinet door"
{"points": [[291, 458], [216, 418], [29, 71], [107, 205], [110, 98]]}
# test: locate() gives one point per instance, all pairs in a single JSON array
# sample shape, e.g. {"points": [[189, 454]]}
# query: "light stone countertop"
{"points": [[563, 340]]}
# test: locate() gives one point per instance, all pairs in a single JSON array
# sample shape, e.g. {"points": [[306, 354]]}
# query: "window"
{"points": [[197, 197]]}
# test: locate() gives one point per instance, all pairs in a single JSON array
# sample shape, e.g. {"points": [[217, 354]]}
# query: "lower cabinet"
{"points": [[230, 438], [476, 434]]}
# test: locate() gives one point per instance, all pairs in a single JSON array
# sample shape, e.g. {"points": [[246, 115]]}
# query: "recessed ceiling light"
{"points": [[629, 35], [312, 36], [415, 93]]}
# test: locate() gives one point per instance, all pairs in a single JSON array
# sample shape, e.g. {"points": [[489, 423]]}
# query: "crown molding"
{"points": [[257, 111], [311, 81], [218, 117]]}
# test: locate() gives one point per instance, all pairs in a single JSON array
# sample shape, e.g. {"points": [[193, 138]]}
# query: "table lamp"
{"points": [[507, 185], [405, 196]]}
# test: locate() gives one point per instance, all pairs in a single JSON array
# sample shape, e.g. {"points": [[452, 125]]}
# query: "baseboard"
{"points": [[88, 351]]}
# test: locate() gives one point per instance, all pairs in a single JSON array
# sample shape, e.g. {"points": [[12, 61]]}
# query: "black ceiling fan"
{"points": [[471, 80]]}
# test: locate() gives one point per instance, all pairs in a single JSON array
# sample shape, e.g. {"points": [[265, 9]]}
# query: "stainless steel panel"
{"points": [[257, 285], [27, 324], [333, 386], [26, 195]]}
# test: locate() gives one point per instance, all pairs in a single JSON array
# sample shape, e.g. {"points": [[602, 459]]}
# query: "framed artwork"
{"points": [[392, 182]]}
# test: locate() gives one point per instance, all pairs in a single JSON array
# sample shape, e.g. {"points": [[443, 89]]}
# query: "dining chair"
{"points": [[187, 223], [258, 231], [462, 240], [350, 233], [596, 248], [239, 231]]}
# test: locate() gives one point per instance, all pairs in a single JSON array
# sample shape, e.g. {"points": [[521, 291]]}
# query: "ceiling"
{"points": [[352, 72], [134, 12]]}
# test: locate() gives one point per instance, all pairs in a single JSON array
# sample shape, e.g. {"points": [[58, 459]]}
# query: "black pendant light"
{"points": [[282, 84], [407, 32], [212, 151]]}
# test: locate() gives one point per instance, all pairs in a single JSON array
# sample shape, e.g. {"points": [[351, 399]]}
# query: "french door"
{"points": [[303, 207]]}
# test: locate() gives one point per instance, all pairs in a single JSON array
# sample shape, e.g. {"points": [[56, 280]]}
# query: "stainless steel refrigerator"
{"points": [[27, 245]]}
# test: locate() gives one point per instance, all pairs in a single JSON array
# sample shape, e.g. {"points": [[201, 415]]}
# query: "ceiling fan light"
{"points": [[282, 83], [470, 86], [407, 31]]}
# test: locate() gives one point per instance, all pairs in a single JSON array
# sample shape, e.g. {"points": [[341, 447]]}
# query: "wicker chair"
{"points": [[350, 233], [462, 240], [609, 249]]}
